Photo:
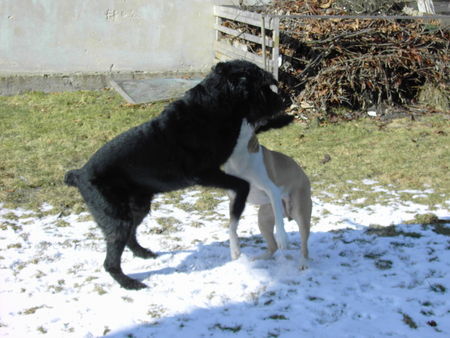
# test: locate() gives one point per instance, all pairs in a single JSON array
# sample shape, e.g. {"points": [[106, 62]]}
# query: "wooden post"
{"points": [[218, 23], [426, 6], [263, 37], [276, 45]]}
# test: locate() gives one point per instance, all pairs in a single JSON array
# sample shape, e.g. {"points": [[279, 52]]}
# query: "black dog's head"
{"points": [[247, 89]]}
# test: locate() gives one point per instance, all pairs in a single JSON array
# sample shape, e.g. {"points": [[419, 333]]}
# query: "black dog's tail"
{"points": [[101, 201], [71, 178]]}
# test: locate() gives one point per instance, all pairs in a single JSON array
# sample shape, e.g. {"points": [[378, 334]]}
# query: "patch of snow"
{"points": [[367, 181], [358, 284]]}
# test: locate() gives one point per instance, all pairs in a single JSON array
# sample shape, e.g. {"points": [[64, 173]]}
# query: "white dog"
{"points": [[278, 185]]}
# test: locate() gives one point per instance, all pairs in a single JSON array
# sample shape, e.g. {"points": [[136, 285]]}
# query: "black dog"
{"points": [[184, 146]]}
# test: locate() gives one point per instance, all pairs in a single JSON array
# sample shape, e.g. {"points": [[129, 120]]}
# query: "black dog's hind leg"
{"points": [[140, 207], [110, 209], [136, 248], [240, 189], [114, 249], [125, 235]]}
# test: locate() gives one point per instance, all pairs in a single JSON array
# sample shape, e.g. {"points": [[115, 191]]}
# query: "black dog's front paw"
{"points": [[146, 254], [143, 253], [134, 284], [127, 282], [138, 250]]}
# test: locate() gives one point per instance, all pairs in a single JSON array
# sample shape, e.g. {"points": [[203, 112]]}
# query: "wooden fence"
{"points": [[224, 48], [269, 57]]}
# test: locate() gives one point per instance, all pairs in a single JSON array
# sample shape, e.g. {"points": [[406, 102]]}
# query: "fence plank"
{"points": [[372, 17], [236, 53], [250, 18], [242, 35]]}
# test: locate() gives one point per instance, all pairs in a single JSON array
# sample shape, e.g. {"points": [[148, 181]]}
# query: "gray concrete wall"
{"points": [[56, 45], [66, 36]]}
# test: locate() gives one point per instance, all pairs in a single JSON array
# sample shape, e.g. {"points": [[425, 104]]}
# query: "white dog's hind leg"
{"points": [[302, 215]]}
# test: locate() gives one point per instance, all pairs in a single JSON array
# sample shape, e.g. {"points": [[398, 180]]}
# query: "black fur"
{"points": [[276, 122], [184, 146]]}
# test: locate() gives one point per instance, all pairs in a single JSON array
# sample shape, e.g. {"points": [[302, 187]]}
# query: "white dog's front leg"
{"points": [[234, 240], [277, 206]]}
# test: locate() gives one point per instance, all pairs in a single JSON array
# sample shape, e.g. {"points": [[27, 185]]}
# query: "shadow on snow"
{"points": [[355, 278]]}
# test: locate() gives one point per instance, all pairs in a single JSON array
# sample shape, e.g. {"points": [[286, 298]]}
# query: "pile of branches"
{"points": [[358, 63]]}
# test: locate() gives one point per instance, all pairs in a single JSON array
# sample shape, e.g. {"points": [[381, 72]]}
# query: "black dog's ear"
{"points": [[242, 82], [221, 68], [236, 78], [241, 86]]}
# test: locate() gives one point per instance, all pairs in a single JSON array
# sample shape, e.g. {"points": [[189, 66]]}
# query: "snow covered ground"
{"points": [[360, 283]]}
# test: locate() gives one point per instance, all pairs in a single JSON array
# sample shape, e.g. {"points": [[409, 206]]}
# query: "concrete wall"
{"points": [[65, 36], [57, 45]]}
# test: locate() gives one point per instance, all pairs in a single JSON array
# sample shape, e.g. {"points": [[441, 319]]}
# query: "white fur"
{"points": [[250, 167]]}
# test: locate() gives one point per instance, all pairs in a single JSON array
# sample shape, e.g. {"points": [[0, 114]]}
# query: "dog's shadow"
{"points": [[208, 256], [338, 256]]}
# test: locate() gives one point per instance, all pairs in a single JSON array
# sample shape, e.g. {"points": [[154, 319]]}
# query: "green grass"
{"points": [[44, 135], [233, 329], [408, 321], [404, 153]]}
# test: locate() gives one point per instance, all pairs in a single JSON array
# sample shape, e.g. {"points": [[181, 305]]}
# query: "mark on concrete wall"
{"points": [[115, 14], [131, 34]]}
